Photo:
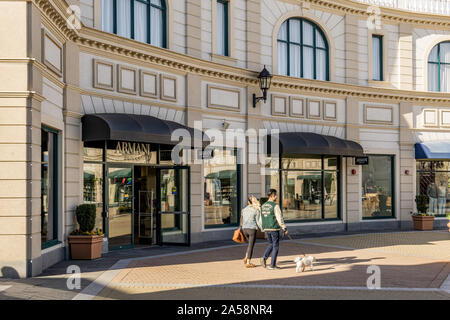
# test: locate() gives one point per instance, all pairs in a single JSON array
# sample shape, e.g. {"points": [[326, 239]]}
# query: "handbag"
{"points": [[239, 236]]}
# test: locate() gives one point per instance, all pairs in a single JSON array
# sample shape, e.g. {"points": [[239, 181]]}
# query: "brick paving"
{"points": [[406, 260], [414, 265]]}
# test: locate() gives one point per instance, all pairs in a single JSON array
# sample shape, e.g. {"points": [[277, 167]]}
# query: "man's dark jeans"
{"points": [[274, 243]]}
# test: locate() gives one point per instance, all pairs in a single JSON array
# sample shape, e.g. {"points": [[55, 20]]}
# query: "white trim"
{"points": [[52, 248]]}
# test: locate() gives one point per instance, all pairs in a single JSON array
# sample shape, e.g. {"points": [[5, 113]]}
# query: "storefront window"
{"points": [[378, 187], [93, 189], [309, 187], [433, 180], [221, 188], [49, 188]]}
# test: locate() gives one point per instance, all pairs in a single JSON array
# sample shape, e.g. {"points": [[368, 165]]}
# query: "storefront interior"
{"points": [[141, 195]]}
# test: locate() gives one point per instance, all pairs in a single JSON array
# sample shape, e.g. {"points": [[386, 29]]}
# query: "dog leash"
{"points": [[290, 238]]}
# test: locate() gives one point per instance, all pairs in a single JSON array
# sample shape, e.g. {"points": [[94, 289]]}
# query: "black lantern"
{"points": [[265, 78]]}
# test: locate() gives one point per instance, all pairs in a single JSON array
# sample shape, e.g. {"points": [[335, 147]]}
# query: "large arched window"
{"points": [[439, 68], [142, 20], [302, 50]]}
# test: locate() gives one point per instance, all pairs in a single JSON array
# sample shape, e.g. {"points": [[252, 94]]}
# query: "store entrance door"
{"points": [[145, 205], [120, 206], [161, 206]]}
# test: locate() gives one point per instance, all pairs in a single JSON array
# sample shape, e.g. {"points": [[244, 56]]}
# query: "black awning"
{"points": [[130, 127], [298, 143]]}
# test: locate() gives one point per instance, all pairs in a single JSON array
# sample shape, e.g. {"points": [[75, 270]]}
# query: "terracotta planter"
{"points": [[423, 222], [85, 247]]}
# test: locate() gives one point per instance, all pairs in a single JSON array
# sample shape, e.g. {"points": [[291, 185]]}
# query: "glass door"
{"points": [[120, 206], [174, 206]]}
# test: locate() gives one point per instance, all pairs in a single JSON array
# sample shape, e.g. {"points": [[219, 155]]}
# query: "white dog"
{"points": [[302, 263]]}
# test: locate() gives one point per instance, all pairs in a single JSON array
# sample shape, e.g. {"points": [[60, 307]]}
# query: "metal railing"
{"points": [[425, 6]]}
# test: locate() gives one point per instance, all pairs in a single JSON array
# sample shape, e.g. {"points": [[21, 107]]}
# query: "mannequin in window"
{"points": [[442, 197], [432, 193]]}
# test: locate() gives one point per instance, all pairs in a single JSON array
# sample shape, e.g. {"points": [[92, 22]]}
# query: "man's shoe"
{"points": [[263, 262], [273, 268]]}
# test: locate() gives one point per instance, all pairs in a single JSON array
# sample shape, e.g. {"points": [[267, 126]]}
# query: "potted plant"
{"points": [[85, 243], [422, 219]]}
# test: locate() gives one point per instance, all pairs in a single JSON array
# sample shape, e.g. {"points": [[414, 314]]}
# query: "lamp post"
{"points": [[265, 79]]}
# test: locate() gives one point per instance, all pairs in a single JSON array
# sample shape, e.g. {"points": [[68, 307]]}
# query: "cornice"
{"points": [[390, 14], [56, 12], [22, 94], [102, 42]]}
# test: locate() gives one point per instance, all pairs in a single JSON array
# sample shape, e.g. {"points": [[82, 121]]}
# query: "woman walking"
{"points": [[249, 227]]}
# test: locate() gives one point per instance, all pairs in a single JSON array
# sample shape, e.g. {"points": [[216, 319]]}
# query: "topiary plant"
{"points": [[421, 203], [86, 214]]}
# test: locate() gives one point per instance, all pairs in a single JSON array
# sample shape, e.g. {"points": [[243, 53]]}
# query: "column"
{"points": [[351, 49], [20, 141], [407, 162], [406, 56], [352, 208], [194, 28], [254, 35], [73, 146]]}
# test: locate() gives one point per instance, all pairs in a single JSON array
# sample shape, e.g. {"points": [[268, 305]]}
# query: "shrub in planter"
{"points": [[85, 214], [421, 203], [85, 243], [422, 220]]}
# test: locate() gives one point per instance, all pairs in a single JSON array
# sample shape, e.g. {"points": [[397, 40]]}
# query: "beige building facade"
{"points": [[378, 76]]}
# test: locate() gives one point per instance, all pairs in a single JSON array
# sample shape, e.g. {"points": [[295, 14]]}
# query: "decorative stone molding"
{"points": [[103, 75], [127, 79], [313, 109], [279, 105], [149, 84], [430, 118], [168, 88], [52, 53], [445, 118], [378, 115], [102, 42], [330, 110], [224, 98], [297, 107]]}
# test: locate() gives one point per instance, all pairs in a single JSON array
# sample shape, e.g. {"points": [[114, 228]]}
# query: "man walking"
{"points": [[271, 220]]}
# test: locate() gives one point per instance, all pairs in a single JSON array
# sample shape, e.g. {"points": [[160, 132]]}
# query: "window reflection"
{"points": [[49, 192], [221, 188], [377, 188], [433, 180], [309, 187], [93, 189]]}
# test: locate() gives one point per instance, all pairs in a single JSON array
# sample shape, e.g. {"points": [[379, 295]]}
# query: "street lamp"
{"points": [[265, 78]]}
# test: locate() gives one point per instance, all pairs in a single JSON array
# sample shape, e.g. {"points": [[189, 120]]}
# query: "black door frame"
{"points": [[125, 166], [159, 212], [158, 201]]}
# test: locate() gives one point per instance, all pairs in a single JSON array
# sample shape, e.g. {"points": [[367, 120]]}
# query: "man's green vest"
{"points": [[268, 219]]}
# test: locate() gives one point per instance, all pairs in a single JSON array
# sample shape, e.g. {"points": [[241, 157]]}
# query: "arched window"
{"points": [[302, 50], [439, 68], [142, 20]]}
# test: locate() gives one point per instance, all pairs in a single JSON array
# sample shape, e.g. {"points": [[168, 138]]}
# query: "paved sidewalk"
{"points": [[414, 265]]}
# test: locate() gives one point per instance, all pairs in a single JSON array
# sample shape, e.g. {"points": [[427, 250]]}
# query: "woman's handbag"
{"points": [[239, 236]]}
